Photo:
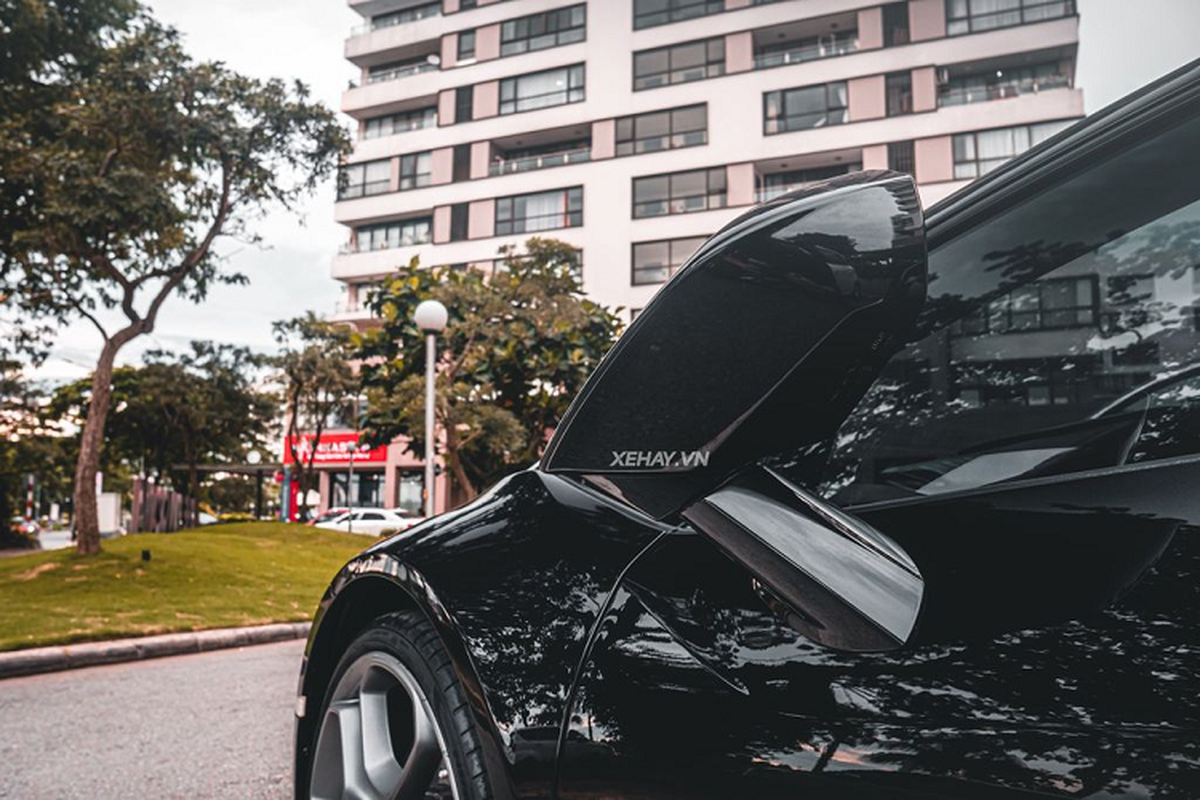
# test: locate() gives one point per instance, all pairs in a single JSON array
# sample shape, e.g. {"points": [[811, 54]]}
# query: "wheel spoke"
{"points": [[379, 760], [421, 766], [379, 738]]}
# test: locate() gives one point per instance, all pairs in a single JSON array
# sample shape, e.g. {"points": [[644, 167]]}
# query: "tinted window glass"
{"points": [[1058, 337]]}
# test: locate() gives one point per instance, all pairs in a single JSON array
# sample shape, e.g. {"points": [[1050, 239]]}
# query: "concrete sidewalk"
{"points": [[88, 654]]}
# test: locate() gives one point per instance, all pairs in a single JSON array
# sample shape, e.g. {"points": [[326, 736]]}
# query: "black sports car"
{"points": [[866, 503]]}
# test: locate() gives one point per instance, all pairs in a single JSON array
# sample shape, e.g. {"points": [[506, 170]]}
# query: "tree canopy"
{"points": [[123, 162], [519, 345]]}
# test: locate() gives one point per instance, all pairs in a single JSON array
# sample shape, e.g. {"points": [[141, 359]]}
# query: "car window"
{"points": [[372, 516], [1035, 324]]}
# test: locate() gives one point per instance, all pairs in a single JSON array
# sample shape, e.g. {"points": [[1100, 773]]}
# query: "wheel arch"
{"points": [[368, 587]]}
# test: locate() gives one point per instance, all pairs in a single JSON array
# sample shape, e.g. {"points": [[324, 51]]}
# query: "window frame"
{"points": [[780, 120], [673, 138], [571, 92], [519, 44], [955, 21], [671, 266], [712, 199], [411, 174], [712, 67], [379, 186], [424, 114], [676, 11], [400, 225], [505, 214]]}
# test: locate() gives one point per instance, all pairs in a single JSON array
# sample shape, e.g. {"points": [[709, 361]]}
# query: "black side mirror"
{"points": [[834, 578], [761, 344]]}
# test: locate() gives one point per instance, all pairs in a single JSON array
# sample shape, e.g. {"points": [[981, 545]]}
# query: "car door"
{"points": [[1059, 546]]}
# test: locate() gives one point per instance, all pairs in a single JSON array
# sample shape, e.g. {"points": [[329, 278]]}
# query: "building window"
{"points": [[662, 130], [554, 87], [399, 123], [679, 192], [542, 31], [366, 179], [541, 211], [365, 490], [460, 217], [551, 154], [895, 24], [774, 184], [902, 157], [415, 170], [1048, 304], [655, 262], [390, 235], [680, 63], [977, 154], [406, 15], [466, 45], [801, 109], [648, 13], [973, 16], [996, 84], [899, 93], [464, 104]]}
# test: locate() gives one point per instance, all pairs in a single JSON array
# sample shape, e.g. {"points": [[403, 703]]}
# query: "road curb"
{"points": [[89, 654]]}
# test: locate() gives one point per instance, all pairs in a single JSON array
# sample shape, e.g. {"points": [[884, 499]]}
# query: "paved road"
{"points": [[215, 724]]}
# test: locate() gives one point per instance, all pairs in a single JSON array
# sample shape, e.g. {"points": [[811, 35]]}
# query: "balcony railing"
{"points": [[810, 51], [530, 163], [957, 96], [350, 248], [402, 71]]}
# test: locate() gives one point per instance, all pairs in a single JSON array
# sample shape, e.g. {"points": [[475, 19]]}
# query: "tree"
{"points": [[519, 345], [143, 161], [319, 386], [198, 407]]}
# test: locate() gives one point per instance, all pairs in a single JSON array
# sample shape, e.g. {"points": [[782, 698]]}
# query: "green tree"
{"points": [[519, 345], [177, 411], [143, 159], [319, 387]]}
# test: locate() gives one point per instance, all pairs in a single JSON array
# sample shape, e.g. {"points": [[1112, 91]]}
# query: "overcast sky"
{"points": [[1123, 45]]}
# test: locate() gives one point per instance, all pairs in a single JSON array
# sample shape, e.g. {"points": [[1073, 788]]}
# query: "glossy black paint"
{"points": [[1057, 651], [789, 311]]}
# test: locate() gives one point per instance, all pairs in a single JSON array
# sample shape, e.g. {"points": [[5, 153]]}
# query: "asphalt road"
{"points": [[215, 724]]}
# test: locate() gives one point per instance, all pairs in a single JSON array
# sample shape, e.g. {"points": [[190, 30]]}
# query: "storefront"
{"points": [[382, 477]]}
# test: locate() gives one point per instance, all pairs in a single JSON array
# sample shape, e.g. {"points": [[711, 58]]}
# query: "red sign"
{"points": [[334, 448]]}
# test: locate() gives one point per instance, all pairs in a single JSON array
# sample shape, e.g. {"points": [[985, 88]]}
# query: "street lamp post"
{"points": [[350, 490], [431, 317]]}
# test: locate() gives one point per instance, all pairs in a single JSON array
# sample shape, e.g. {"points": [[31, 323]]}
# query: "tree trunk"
{"points": [[87, 522], [457, 471]]}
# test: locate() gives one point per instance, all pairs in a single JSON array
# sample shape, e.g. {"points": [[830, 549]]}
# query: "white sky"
{"points": [[1123, 45]]}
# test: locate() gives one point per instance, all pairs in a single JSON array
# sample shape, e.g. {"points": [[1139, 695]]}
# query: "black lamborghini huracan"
{"points": [[867, 503]]}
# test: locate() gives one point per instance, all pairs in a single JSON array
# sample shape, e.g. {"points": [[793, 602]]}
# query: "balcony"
{"points": [[806, 51], [397, 71], [807, 40], [509, 166], [775, 178], [953, 95]]}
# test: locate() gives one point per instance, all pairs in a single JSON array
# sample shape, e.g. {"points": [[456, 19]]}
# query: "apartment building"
{"points": [[634, 129]]}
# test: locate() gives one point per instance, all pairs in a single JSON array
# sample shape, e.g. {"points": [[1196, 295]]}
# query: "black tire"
{"points": [[410, 638]]}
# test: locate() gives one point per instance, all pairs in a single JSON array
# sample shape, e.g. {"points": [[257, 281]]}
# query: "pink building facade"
{"points": [[634, 129]]}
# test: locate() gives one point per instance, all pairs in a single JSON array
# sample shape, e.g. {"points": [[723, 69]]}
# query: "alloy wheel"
{"points": [[379, 738]]}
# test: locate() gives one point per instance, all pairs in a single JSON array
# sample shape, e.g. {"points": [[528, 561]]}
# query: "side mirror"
{"points": [[834, 578], [762, 343]]}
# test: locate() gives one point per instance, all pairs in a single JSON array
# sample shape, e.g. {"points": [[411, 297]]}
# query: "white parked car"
{"points": [[372, 521]]}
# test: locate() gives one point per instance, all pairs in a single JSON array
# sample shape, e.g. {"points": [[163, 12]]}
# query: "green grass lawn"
{"points": [[213, 577]]}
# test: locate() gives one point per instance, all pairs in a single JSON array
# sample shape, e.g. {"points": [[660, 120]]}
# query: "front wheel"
{"points": [[395, 722]]}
